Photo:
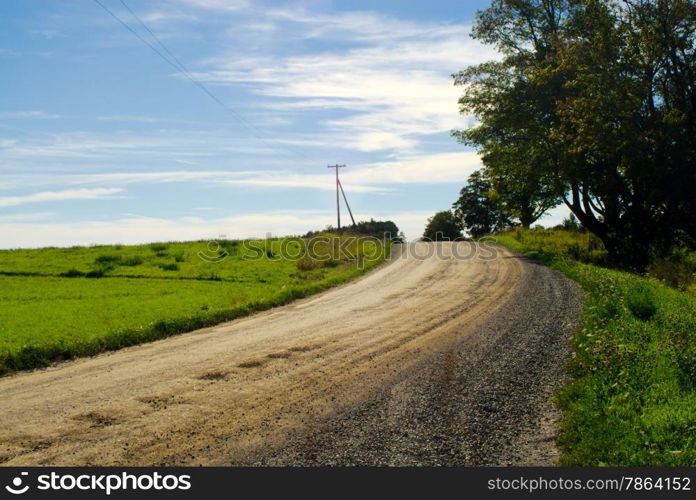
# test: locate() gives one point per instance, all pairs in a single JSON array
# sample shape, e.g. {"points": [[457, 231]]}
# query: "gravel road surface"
{"points": [[444, 356]]}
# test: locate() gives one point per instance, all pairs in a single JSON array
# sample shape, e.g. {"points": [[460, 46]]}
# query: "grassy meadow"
{"points": [[61, 303], [633, 398]]}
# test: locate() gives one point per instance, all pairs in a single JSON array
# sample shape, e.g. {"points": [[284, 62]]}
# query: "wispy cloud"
{"points": [[32, 114], [127, 118], [166, 16], [395, 85], [27, 217], [217, 5], [159, 143], [378, 177], [46, 34], [68, 194]]}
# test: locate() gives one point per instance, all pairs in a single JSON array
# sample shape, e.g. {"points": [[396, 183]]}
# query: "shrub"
{"points": [[107, 259], [641, 303], [158, 247], [180, 256], [169, 267], [307, 263], [677, 270], [132, 261]]}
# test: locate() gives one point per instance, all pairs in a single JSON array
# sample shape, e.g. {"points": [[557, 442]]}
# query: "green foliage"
{"points": [[478, 209], [570, 223], [107, 259], [593, 101], [641, 303], [574, 244], [50, 312], [328, 250], [443, 226], [136, 260], [375, 228], [678, 270], [633, 398]]}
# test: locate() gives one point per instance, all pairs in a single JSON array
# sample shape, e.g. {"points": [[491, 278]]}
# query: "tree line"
{"points": [[590, 105]]}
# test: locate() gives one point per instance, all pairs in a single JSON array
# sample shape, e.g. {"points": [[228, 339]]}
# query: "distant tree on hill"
{"points": [[376, 228], [569, 224], [478, 210], [443, 226]]}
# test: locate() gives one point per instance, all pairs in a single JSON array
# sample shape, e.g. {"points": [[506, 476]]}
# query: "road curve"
{"points": [[446, 355]]}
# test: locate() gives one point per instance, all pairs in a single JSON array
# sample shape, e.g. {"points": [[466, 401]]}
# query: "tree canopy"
{"points": [[592, 103], [478, 209], [443, 226]]}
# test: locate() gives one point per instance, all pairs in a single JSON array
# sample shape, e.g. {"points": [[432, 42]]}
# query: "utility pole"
{"points": [[338, 186]]}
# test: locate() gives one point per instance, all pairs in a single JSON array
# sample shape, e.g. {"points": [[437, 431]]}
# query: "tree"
{"points": [[596, 99], [628, 124], [507, 140], [375, 228], [478, 209], [443, 226]]}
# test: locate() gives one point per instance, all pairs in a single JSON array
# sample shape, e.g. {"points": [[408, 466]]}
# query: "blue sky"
{"points": [[102, 141]]}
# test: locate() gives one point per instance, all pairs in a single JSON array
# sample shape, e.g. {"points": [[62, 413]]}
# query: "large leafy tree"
{"points": [[478, 208], [595, 99]]}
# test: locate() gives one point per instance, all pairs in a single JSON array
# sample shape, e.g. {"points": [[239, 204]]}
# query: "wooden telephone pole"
{"points": [[339, 187]]}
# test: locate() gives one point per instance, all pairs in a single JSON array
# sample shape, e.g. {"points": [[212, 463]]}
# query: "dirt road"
{"points": [[426, 360]]}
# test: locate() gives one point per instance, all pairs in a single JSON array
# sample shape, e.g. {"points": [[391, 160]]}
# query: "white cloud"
{"points": [[26, 217], [47, 34], [127, 118], [301, 181], [454, 167], [396, 89], [121, 178], [32, 114], [217, 5], [157, 143], [165, 16], [68, 194]]}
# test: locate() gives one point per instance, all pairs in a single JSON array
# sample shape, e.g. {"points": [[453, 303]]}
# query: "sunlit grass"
{"points": [[633, 398], [63, 303]]}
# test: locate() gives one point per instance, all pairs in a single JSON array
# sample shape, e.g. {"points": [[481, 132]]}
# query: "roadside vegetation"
{"points": [[62, 303], [633, 398], [592, 104]]}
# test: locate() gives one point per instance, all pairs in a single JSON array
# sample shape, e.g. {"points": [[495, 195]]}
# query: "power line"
{"points": [[179, 66], [174, 58]]}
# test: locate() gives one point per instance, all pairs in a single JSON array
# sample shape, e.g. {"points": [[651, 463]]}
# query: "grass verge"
{"points": [[632, 401]]}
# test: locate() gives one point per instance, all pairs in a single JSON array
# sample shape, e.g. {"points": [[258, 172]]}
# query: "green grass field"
{"points": [[61, 303], [633, 398]]}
